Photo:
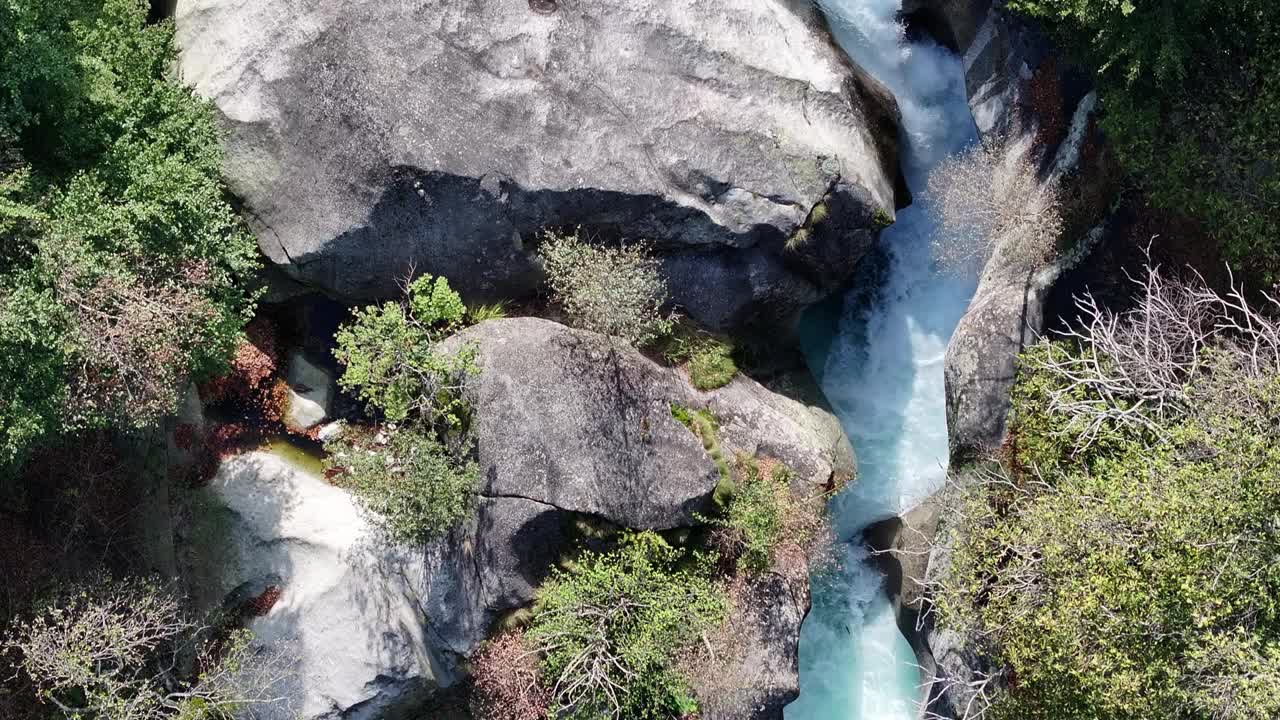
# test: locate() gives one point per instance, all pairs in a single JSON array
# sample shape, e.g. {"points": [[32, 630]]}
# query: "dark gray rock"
{"points": [[367, 138], [763, 677], [954, 23], [577, 421]]}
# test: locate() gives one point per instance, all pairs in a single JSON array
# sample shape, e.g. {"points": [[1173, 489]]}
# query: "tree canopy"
{"points": [[1190, 93], [123, 262]]}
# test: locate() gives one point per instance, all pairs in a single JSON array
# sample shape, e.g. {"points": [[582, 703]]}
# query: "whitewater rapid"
{"points": [[883, 374]]}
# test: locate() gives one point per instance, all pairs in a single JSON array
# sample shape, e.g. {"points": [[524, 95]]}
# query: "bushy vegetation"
{"points": [[415, 475], [617, 291], [1123, 559], [608, 630], [122, 650], [121, 258], [411, 482], [754, 517], [390, 357], [991, 194], [1190, 92], [708, 358]]}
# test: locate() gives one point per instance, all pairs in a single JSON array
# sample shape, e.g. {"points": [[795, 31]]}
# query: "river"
{"points": [[881, 368]]}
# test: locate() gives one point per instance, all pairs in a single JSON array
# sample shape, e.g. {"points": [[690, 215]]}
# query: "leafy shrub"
{"points": [[415, 487], [389, 354], [712, 367], [121, 258], [1122, 562], [105, 651], [609, 630], [611, 291], [755, 514], [1190, 92], [764, 522]]}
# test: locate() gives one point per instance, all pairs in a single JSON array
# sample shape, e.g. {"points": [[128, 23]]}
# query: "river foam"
{"points": [[883, 374]]}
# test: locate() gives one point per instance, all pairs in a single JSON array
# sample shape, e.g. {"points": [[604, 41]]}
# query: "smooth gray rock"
{"points": [[310, 393], [370, 628], [583, 423], [368, 138], [347, 615]]}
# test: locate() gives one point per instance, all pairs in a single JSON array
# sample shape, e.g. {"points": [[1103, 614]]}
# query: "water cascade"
{"points": [[882, 373]]}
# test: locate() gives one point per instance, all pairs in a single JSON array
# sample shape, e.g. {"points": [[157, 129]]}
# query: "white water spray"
{"points": [[883, 375]]}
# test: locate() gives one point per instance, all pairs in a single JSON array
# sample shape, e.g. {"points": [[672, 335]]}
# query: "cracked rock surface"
{"points": [[368, 136]]}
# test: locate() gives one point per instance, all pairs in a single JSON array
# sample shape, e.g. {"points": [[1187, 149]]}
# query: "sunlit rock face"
{"points": [[367, 137]]}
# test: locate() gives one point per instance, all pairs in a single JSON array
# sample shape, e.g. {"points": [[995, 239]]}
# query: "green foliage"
{"points": [[712, 367], [1136, 578], [882, 219], [491, 311], [609, 630], [434, 305], [408, 479], [710, 359], [1191, 96], [756, 514], [703, 424], [390, 360], [110, 194], [616, 291]]}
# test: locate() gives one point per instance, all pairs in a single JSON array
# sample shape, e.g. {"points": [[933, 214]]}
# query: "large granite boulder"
{"points": [[367, 138], [570, 426], [583, 423]]}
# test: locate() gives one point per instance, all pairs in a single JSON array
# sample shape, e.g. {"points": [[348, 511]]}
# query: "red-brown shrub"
{"points": [[506, 682], [273, 401], [1047, 104], [256, 359], [184, 436], [262, 604]]}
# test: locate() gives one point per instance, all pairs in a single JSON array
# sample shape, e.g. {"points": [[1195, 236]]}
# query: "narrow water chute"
{"points": [[883, 374]]}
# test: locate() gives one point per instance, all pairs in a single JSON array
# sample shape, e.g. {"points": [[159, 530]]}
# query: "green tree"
{"points": [[1124, 561], [121, 260], [1190, 93], [391, 361]]}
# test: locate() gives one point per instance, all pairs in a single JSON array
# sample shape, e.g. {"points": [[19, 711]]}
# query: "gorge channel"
{"points": [[880, 364]]}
